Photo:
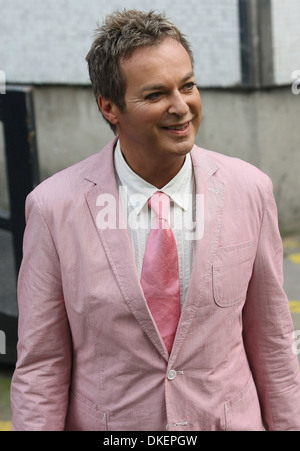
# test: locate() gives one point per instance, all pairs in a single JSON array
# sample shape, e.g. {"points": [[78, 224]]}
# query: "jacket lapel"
{"points": [[103, 202], [210, 201]]}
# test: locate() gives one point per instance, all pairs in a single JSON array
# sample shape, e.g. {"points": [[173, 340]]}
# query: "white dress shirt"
{"points": [[134, 194]]}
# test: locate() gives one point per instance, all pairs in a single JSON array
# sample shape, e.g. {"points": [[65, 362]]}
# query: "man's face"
{"points": [[163, 105]]}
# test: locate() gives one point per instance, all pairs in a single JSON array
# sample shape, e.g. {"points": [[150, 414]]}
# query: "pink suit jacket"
{"points": [[89, 354]]}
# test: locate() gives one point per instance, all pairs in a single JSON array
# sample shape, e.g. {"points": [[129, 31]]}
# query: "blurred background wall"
{"points": [[247, 70]]}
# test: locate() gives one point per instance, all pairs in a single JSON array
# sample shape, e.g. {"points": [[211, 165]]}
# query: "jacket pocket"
{"points": [[232, 270], [243, 412], [83, 415]]}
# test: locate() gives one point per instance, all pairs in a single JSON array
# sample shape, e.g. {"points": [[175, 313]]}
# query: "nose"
{"points": [[178, 105]]}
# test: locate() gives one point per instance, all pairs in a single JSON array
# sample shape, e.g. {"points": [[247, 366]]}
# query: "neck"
{"points": [[157, 173]]}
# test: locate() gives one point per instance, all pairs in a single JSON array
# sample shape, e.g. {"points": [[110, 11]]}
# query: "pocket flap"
{"points": [[84, 415]]}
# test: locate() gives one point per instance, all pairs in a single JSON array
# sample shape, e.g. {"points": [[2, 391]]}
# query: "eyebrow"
{"points": [[158, 87]]}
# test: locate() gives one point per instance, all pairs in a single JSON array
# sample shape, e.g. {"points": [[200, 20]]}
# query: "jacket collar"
{"points": [[101, 166]]}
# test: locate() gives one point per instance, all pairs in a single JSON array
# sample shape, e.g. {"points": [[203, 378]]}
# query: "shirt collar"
{"points": [[139, 190]]}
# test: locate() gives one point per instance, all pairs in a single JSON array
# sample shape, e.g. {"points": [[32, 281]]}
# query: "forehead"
{"points": [[156, 64]]}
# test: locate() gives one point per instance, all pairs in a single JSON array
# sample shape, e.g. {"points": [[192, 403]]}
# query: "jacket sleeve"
{"points": [[268, 331], [39, 389]]}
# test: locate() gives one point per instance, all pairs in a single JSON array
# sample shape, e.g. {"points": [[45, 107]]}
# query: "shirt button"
{"points": [[172, 374]]}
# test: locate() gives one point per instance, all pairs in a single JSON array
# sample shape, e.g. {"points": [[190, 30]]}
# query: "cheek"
{"points": [[150, 119], [196, 109], [197, 103], [145, 116]]}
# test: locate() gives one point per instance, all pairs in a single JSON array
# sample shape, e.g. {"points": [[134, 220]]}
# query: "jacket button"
{"points": [[172, 374]]}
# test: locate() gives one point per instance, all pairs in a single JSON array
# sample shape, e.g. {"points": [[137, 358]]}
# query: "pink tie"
{"points": [[160, 275]]}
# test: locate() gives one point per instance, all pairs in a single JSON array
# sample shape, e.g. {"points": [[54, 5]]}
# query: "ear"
{"points": [[109, 110]]}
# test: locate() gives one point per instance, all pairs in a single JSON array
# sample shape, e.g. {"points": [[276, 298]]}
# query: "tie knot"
{"points": [[159, 203]]}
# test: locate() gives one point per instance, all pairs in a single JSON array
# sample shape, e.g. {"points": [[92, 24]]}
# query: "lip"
{"points": [[185, 131]]}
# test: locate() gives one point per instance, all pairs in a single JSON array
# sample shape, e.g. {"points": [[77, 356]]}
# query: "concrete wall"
{"points": [[47, 41]]}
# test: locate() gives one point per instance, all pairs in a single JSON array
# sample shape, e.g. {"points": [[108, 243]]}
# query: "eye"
{"points": [[154, 96], [189, 86]]}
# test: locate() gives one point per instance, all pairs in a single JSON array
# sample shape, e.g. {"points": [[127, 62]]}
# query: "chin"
{"points": [[184, 147]]}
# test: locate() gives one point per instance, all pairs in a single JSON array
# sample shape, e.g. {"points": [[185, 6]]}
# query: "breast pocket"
{"points": [[232, 270]]}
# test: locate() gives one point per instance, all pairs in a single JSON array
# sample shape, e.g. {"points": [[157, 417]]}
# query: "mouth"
{"points": [[179, 130], [179, 127]]}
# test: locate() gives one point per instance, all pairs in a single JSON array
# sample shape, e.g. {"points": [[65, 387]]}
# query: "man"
{"points": [[104, 345]]}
